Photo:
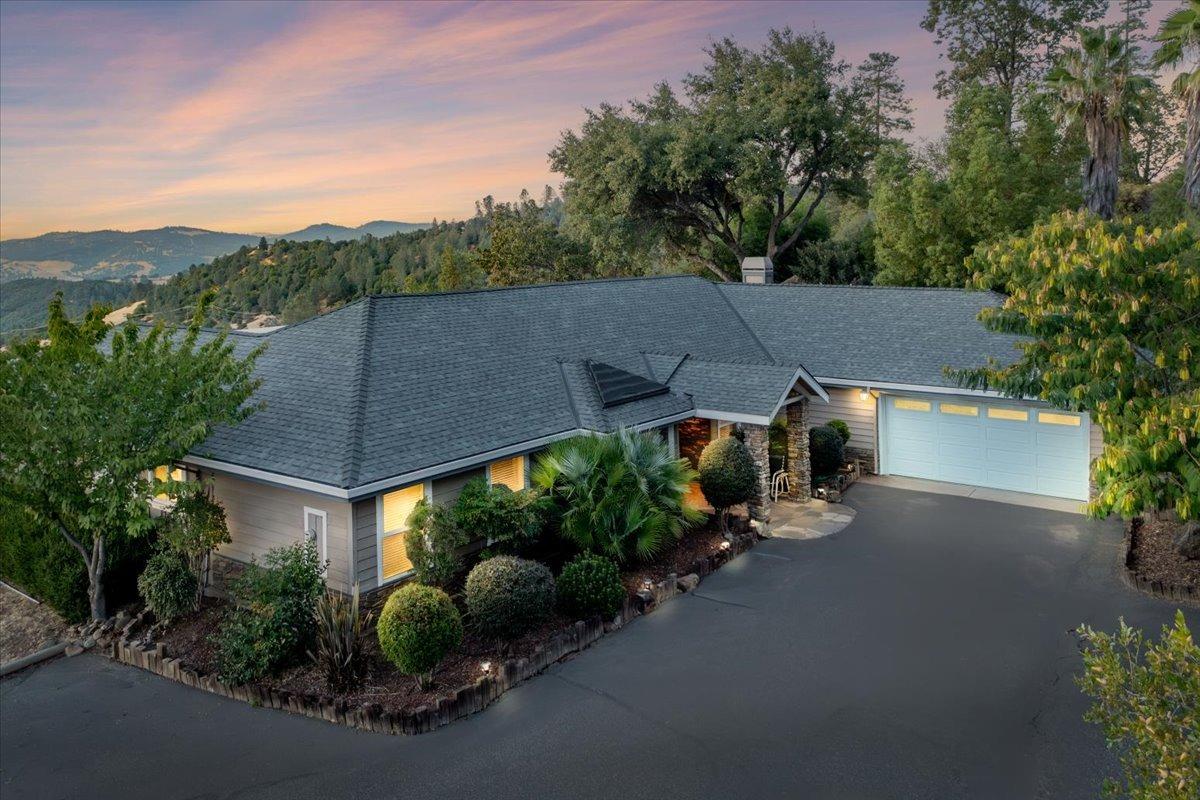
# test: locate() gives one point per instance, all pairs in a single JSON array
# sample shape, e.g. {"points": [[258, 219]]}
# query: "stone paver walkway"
{"points": [[811, 520]]}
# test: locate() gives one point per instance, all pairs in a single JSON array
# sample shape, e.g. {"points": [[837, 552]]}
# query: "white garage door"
{"points": [[994, 444]]}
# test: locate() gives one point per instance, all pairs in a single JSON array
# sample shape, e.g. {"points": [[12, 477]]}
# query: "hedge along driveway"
{"points": [[921, 652]]}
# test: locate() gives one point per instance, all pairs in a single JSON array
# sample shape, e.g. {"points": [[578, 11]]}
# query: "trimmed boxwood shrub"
{"points": [[825, 450], [727, 475], [590, 585], [841, 427], [419, 625], [506, 596], [168, 585]]}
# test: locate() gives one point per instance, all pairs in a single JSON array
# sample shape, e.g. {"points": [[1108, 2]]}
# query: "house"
{"points": [[390, 399]]}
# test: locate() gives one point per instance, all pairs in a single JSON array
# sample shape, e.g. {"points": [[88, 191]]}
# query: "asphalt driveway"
{"points": [[923, 652]]}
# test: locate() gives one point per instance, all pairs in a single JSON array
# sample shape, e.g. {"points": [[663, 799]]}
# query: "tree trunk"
{"points": [[95, 569], [1191, 153], [1100, 168]]}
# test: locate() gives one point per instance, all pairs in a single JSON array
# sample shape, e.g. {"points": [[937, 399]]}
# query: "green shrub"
{"points": [[728, 476], [38, 560], [506, 596], [272, 623], [168, 585], [433, 542], [841, 427], [777, 444], [418, 627], [341, 634], [590, 585], [621, 495], [826, 451], [194, 527], [509, 521]]}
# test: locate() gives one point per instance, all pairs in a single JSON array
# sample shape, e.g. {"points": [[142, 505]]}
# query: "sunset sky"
{"points": [[267, 117]]}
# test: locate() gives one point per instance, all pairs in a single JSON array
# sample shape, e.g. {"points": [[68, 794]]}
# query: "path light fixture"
{"points": [[486, 666], [647, 584], [725, 545]]}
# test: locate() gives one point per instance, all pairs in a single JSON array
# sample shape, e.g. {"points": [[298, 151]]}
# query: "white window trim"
{"points": [[324, 515], [380, 533]]}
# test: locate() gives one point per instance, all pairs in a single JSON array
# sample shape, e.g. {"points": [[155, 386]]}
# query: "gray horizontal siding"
{"points": [[446, 490], [366, 550], [859, 415]]}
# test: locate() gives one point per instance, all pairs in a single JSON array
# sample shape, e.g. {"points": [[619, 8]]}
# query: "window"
{"points": [[906, 404], [164, 473], [509, 472], [316, 530], [1050, 418], [1016, 414], [724, 429], [962, 411], [397, 505]]}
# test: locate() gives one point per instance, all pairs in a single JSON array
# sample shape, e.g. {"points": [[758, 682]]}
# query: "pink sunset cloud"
{"points": [[268, 117]]}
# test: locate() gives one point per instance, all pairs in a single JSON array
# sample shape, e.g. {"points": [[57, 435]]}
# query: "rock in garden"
{"points": [[73, 650], [1187, 541], [688, 582]]}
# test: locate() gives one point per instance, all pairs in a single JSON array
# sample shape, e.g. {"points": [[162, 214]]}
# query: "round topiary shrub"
{"points": [[590, 585], [825, 450], [507, 596], [727, 475], [841, 427], [419, 625], [168, 585]]}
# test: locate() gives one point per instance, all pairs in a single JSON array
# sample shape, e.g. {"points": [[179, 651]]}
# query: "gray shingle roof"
{"points": [[391, 385], [873, 333]]}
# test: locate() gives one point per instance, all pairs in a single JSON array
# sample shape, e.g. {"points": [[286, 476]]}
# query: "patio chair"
{"points": [[781, 483]]}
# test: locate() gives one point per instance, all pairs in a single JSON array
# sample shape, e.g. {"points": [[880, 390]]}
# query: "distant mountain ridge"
{"points": [[153, 253]]}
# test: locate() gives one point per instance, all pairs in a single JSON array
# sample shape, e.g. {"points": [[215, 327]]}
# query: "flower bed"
{"points": [[390, 702]]}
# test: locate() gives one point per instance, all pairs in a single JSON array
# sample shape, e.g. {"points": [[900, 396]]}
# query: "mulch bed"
{"points": [[192, 639], [1155, 558]]}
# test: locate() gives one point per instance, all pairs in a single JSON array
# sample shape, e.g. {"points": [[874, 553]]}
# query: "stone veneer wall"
{"points": [[757, 442], [798, 464], [864, 457]]}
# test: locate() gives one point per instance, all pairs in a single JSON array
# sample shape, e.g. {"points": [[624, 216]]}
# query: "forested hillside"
{"points": [[23, 301]]}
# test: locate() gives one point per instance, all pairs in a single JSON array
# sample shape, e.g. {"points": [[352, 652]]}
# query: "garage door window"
{"points": [[962, 411], [1015, 414], [912, 405], [1050, 418]]}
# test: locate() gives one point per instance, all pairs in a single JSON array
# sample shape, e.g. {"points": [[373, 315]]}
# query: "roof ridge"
{"points": [[746, 325], [883, 287], [548, 285], [352, 457]]}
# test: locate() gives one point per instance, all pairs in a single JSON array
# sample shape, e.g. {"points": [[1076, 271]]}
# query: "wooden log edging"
{"points": [[458, 704], [1166, 591]]}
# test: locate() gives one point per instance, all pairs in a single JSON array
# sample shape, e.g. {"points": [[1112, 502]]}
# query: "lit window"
{"points": [[509, 472], [165, 473], [397, 506], [906, 404], [1008, 413], [962, 411], [1050, 418]]}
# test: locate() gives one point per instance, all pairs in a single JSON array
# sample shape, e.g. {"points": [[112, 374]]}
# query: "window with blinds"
{"points": [[397, 506], [509, 472]]}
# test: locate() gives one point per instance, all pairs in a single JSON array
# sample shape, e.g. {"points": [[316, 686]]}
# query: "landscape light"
{"points": [[647, 584], [487, 666], [724, 545]]}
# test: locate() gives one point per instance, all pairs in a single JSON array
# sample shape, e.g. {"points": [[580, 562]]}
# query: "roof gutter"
{"points": [[910, 387]]}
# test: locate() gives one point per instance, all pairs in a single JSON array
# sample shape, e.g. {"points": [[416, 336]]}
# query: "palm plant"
{"points": [[1180, 43], [1096, 86], [620, 495]]}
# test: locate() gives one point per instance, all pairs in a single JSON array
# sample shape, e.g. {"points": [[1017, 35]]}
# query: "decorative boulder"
{"points": [[1187, 541]]}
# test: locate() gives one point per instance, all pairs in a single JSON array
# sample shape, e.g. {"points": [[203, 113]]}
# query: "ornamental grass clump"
{"points": [[418, 627], [590, 585], [341, 635], [507, 596]]}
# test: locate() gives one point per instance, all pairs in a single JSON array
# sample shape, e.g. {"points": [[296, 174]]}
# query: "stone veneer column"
{"points": [[798, 467], [755, 437]]}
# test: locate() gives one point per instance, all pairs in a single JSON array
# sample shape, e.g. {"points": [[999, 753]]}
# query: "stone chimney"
{"points": [[758, 270]]}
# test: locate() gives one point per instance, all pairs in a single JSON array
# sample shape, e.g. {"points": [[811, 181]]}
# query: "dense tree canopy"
{"points": [[1180, 47], [82, 430], [1113, 312], [774, 131]]}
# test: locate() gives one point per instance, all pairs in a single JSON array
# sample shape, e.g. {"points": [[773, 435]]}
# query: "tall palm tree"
{"points": [[1180, 38], [1096, 86]]}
